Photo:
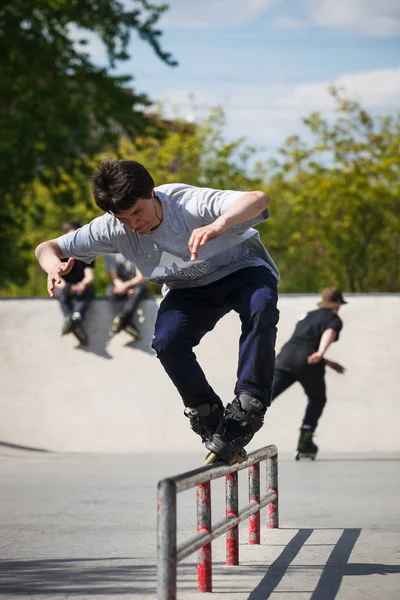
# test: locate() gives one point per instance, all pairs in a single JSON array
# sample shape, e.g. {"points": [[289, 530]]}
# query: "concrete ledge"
{"points": [[115, 397]]}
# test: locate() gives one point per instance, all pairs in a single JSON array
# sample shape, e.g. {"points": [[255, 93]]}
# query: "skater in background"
{"points": [[302, 359], [127, 290], [200, 244], [75, 291]]}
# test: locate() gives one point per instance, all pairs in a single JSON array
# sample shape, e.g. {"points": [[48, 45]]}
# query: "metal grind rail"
{"points": [[169, 554]]}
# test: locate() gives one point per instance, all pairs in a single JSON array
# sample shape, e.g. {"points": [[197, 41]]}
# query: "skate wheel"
{"points": [[242, 457], [211, 458]]}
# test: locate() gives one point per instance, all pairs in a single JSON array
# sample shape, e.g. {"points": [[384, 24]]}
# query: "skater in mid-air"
{"points": [[302, 359], [200, 244]]}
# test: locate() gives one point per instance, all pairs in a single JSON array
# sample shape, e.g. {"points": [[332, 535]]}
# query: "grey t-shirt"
{"points": [[163, 255]]}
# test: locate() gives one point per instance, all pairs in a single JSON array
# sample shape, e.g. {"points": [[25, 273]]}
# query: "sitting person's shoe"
{"points": [[79, 331], [67, 326], [115, 327], [134, 332]]}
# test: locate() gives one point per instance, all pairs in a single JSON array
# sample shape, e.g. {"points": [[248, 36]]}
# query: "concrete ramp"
{"points": [[115, 397]]}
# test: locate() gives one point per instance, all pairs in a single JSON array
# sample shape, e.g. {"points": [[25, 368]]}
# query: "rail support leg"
{"points": [[204, 564], [166, 543], [254, 498], [232, 509], [272, 486]]}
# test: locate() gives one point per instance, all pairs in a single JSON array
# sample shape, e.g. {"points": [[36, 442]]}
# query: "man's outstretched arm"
{"points": [[49, 257], [327, 338], [247, 207]]}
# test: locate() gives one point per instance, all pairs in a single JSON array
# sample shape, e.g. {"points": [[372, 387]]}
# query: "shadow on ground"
{"points": [[94, 576], [333, 571], [124, 575]]}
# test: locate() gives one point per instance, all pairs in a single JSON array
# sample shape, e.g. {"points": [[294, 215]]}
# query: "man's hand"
{"points": [[55, 274], [202, 235], [335, 366], [120, 287], [79, 287], [314, 358]]}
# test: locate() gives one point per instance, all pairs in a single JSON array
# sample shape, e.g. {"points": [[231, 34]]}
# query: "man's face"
{"points": [[142, 217]]}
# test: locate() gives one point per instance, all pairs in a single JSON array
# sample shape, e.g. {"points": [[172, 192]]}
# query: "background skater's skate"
{"points": [[242, 418], [306, 447]]}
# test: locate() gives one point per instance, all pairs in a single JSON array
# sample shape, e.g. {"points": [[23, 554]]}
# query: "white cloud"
{"points": [[374, 89], [373, 17], [212, 14], [267, 114]]}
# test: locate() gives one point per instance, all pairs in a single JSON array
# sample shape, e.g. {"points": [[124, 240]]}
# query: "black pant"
{"points": [[128, 304], [312, 378], [77, 302], [187, 314]]}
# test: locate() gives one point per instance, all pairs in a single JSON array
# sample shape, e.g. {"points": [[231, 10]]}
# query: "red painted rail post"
{"points": [[254, 498], [272, 486], [232, 509], [204, 565]]}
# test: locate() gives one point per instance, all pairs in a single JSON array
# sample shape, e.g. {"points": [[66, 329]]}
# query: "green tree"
{"points": [[337, 217], [57, 109]]}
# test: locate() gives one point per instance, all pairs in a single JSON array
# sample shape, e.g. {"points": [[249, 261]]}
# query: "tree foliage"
{"points": [[197, 154], [335, 195], [337, 209], [57, 109]]}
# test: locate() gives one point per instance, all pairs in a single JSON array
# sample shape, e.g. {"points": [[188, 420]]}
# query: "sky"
{"points": [[269, 62]]}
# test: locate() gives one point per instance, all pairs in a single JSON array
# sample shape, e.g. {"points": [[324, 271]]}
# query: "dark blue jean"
{"points": [[128, 305], [78, 302], [187, 314]]}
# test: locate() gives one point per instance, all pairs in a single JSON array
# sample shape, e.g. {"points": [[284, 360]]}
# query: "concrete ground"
{"points": [[86, 433], [83, 526]]}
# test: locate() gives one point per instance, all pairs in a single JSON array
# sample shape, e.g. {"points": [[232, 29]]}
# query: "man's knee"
{"points": [[263, 308], [168, 340], [62, 294]]}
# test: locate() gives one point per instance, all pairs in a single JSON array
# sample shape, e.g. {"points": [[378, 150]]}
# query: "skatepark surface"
{"points": [[84, 526], [85, 435]]}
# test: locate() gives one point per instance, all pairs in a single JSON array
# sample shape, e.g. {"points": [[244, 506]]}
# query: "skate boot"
{"points": [[306, 447], [67, 326], [117, 325], [204, 419], [78, 330], [242, 418], [134, 332], [121, 321]]}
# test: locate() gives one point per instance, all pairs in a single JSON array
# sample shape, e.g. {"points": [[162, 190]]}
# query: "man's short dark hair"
{"points": [[118, 184]]}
